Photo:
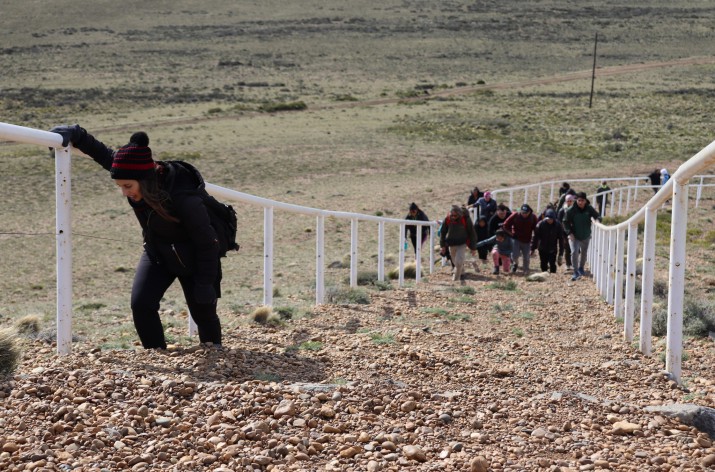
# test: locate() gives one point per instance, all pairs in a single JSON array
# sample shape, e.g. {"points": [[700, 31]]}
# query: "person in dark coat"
{"points": [[486, 206], [654, 178], [481, 229], [498, 219], [549, 239], [475, 195], [520, 225], [415, 213], [179, 241]]}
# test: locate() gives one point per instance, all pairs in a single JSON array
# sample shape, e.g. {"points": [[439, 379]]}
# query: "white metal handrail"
{"points": [[612, 243], [22, 134]]}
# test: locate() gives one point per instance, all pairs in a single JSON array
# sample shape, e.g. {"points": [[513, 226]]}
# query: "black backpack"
{"points": [[223, 219], [222, 216]]}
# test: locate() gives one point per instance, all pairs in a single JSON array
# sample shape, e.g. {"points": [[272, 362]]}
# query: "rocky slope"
{"points": [[484, 375]]}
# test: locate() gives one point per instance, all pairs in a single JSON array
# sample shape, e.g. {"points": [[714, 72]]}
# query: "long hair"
{"points": [[156, 198]]}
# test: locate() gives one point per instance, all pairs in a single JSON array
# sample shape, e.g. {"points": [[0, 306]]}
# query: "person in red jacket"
{"points": [[520, 225], [456, 235]]}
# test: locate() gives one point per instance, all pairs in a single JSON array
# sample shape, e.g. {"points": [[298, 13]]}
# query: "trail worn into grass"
{"points": [[496, 372]]}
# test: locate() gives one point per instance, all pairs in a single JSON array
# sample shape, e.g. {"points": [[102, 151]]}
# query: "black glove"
{"points": [[204, 294], [70, 134]]}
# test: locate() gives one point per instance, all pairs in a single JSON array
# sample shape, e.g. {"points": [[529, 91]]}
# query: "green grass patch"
{"points": [[380, 338], [347, 296], [274, 107], [466, 290], [435, 311], [527, 315], [518, 332], [508, 285]]}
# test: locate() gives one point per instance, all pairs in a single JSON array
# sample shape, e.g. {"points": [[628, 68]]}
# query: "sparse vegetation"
{"points": [[340, 295], [9, 352]]}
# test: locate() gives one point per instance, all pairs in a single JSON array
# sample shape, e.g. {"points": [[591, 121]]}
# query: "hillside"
{"points": [[527, 375]]}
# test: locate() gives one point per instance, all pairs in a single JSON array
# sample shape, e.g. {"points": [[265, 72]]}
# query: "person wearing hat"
{"points": [[569, 201], [415, 213], [520, 225], [179, 241], [664, 176], [549, 239], [577, 222]]}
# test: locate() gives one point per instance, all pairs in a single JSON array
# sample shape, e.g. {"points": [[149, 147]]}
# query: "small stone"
{"points": [[414, 453], [10, 447], [163, 421], [623, 428], [408, 406], [327, 412], [350, 452], [709, 461], [285, 408], [373, 466], [479, 464]]}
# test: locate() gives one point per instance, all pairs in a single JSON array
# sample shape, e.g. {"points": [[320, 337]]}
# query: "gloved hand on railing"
{"points": [[71, 134]]}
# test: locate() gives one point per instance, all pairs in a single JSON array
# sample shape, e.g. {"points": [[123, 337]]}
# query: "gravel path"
{"points": [[484, 375]]}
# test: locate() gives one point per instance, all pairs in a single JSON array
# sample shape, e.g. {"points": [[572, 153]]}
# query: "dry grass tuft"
{"points": [[28, 325], [262, 314], [9, 351]]}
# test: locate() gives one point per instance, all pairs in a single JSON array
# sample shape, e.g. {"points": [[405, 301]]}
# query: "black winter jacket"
{"points": [[189, 247]]}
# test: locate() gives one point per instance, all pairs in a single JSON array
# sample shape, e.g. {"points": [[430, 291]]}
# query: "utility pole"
{"points": [[593, 73]]}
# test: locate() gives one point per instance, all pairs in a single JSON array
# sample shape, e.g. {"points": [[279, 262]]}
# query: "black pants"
{"points": [[150, 283], [548, 261]]}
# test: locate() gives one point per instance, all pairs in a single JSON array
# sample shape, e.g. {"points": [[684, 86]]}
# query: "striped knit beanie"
{"points": [[133, 161]]}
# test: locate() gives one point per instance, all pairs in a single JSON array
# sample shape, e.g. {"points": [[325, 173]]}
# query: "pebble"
{"points": [[414, 453]]}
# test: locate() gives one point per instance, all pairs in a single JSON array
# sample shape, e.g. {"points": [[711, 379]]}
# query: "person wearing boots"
{"points": [[179, 241]]}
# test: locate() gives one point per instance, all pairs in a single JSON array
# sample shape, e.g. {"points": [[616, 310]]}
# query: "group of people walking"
{"points": [[562, 232]]}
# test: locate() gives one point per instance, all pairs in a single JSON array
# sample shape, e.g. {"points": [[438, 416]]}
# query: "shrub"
{"points": [[508, 285], [285, 312], [9, 352], [410, 270], [28, 325], [698, 318], [261, 314], [283, 106], [337, 295]]}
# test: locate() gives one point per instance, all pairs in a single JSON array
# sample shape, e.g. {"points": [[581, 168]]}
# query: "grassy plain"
{"points": [[376, 132]]}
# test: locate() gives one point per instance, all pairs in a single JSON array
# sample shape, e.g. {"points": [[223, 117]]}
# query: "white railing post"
{"points": [[647, 281], [401, 257], [320, 259], [611, 264], [628, 316], [353, 252], [526, 195], [603, 282], [551, 194], [268, 256], [63, 235], [620, 202], [628, 201], [676, 280], [620, 252], [381, 251], [431, 249], [594, 253], [538, 201], [418, 254], [699, 191]]}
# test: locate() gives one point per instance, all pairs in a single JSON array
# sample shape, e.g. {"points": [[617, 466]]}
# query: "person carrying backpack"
{"points": [[456, 235], [179, 240]]}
